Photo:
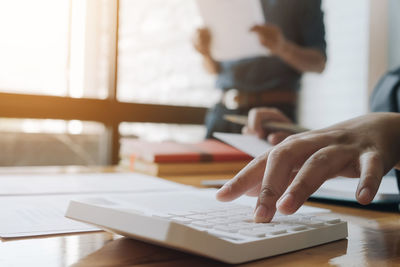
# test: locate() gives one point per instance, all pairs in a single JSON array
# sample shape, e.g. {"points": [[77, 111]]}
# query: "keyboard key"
{"points": [[298, 228], [277, 232], [265, 227], [203, 224], [217, 221], [243, 225], [227, 228], [199, 217], [314, 224], [180, 213], [252, 233], [181, 220], [333, 221], [163, 216], [328, 220]]}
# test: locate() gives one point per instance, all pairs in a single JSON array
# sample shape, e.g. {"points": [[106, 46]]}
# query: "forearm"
{"points": [[211, 65], [302, 59]]}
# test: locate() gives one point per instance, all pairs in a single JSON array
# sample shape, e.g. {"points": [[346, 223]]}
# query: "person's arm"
{"points": [[285, 176], [301, 58], [202, 43]]}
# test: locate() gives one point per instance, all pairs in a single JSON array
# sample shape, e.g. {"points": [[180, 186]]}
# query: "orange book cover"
{"points": [[164, 152]]}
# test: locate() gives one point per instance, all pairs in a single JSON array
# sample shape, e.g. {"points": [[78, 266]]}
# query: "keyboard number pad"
{"points": [[238, 220]]}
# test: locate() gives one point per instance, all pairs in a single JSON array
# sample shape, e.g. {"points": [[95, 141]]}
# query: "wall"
{"points": [[341, 91], [394, 33]]}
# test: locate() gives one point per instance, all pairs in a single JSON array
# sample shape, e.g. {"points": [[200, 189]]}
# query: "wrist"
{"points": [[211, 65], [207, 56], [285, 49]]}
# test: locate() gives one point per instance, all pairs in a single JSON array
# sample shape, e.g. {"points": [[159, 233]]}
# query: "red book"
{"points": [[164, 152]]}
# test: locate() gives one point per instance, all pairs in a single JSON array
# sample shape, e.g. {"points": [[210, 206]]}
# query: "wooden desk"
{"points": [[374, 240]]}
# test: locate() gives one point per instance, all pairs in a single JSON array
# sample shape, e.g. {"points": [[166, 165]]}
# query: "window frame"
{"points": [[110, 112]]}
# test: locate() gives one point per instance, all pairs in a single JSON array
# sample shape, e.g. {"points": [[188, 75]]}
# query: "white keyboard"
{"points": [[195, 222]]}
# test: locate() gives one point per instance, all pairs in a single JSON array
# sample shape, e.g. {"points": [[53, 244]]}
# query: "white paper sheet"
{"points": [[91, 183], [249, 144], [27, 216], [229, 22], [34, 205]]}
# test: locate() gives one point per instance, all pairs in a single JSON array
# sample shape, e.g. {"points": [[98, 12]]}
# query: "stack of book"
{"points": [[172, 158]]}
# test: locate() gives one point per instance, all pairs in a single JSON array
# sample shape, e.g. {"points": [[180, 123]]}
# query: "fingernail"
{"points": [[287, 201], [223, 190], [261, 214], [365, 194]]}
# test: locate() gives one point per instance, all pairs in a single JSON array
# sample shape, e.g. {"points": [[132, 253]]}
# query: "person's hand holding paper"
{"points": [[229, 23], [271, 37]]}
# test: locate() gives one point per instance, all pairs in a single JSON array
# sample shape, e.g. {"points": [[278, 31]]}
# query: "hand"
{"points": [[285, 176], [259, 115], [202, 41], [271, 37]]}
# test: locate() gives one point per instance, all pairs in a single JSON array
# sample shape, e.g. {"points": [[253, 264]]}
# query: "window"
{"points": [[34, 51], [157, 62], [60, 60]]}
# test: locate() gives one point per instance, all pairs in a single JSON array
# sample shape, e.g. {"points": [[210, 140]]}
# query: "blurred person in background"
{"points": [[294, 34], [366, 147]]}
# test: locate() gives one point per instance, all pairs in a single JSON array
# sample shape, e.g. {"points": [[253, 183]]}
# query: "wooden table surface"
{"points": [[374, 240]]}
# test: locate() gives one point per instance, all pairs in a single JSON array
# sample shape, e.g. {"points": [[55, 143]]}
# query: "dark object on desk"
{"points": [[392, 206], [341, 191], [268, 125], [386, 98]]}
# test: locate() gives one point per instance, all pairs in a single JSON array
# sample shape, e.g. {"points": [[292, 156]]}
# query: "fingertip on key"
{"points": [[223, 193], [287, 204], [263, 214]]}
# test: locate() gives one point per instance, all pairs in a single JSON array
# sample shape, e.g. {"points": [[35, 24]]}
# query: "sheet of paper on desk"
{"points": [[91, 183], [27, 216], [229, 22], [250, 144]]}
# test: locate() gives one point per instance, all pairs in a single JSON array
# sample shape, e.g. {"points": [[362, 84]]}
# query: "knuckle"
{"points": [[342, 137], [267, 193], [279, 153], [291, 138], [320, 159], [262, 158], [374, 157]]}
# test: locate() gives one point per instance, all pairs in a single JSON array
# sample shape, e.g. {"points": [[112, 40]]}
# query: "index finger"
{"points": [[285, 158], [248, 178]]}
